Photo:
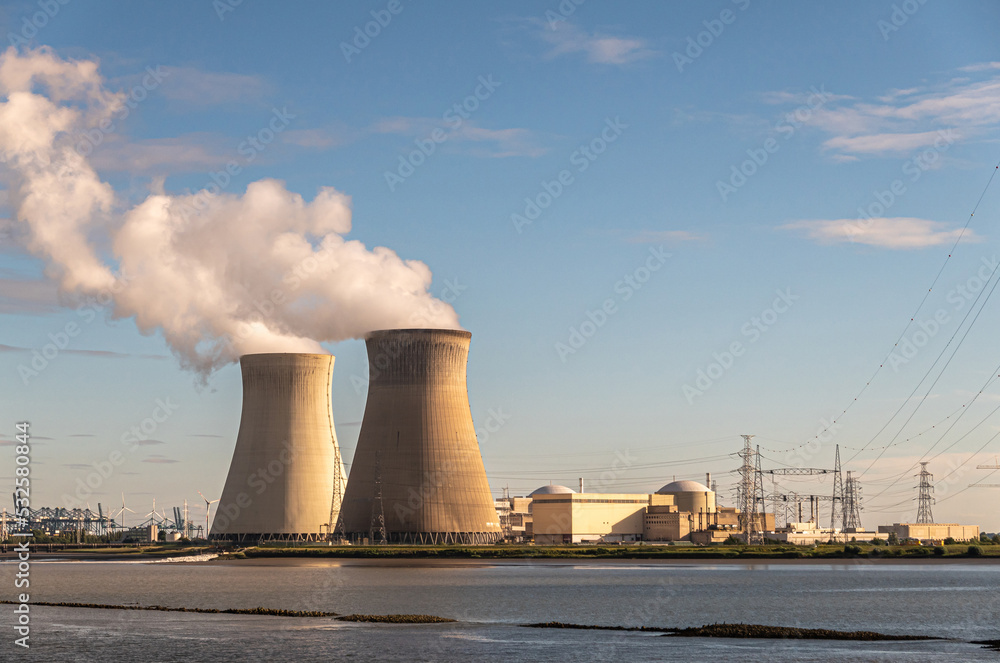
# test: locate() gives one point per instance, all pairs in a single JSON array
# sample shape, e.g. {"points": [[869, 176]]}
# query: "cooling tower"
{"points": [[417, 465], [281, 479]]}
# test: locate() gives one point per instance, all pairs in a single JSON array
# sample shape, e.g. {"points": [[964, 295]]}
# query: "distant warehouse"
{"points": [[935, 531]]}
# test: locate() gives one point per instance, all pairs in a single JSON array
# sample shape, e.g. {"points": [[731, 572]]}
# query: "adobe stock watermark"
{"points": [[453, 118], [495, 420], [911, 344], [786, 128], [913, 169], [60, 341], [223, 7], [563, 11], [898, 17], [714, 28], [753, 330], [417, 497], [451, 291], [363, 35], [264, 307], [130, 440], [32, 24], [249, 148], [581, 159], [93, 137], [259, 480], [799, 456], [624, 289]]}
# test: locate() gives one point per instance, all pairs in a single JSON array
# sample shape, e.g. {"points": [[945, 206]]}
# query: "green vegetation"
{"points": [[744, 631], [274, 612], [730, 550], [723, 551], [784, 632]]}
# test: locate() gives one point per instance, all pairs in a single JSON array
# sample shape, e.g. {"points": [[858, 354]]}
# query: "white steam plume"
{"points": [[261, 272]]}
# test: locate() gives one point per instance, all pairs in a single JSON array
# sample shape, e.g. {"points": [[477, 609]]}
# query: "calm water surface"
{"points": [[959, 601]]}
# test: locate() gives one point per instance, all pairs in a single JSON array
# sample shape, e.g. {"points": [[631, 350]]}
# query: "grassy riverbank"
{"points": [[840, 551], [734, 552]]}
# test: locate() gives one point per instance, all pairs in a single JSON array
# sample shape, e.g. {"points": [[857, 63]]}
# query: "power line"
{"points": [[909, 324]]}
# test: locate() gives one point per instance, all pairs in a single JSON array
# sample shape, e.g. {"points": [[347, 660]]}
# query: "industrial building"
{"points": [[931, 531], [417, 474], [286, 462], [680, 511]]}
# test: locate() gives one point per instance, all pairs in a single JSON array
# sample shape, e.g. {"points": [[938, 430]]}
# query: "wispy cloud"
{"points": [[980, 66], [198, 152], [320, 138], [156, 458], [901, 233], [566, 38], [195, 87], [887, 143], [664, 237], [202, 435], [85, 353], [28, 296], [904, 120], [147, 443], [469, 136]]}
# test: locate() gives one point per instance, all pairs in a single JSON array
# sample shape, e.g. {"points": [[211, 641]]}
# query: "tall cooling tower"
{"points": [[417, 466], [281, 480]]}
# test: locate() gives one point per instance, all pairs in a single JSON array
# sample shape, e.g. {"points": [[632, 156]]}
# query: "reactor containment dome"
{"points": [[417, 474]]}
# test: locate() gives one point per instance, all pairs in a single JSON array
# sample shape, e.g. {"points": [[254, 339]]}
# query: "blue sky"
{"points": [[788, 178]]}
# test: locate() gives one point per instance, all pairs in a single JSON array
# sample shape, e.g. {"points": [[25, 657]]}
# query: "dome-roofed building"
{"points": [[683, 486], [691, 496], [552, 489]]}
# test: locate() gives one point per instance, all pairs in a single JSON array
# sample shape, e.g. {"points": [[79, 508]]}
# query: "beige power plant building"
{"points": [[680, 511], [280, 485], [417, 474], [932, 531]]}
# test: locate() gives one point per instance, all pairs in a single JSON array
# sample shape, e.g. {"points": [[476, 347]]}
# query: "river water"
{"points": [[951, 600]]}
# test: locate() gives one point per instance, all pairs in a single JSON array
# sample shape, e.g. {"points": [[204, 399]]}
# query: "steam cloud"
{"points": [[261, 272]]}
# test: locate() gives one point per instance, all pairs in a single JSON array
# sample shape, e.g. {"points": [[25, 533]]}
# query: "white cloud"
{"points": [[903, 120], [903, 233], [566, 38], [981, 66], [886, 143]]}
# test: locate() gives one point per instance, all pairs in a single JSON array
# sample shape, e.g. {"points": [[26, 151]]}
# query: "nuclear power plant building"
{"points": [[417, 474], [280, 485], [679, 511]]}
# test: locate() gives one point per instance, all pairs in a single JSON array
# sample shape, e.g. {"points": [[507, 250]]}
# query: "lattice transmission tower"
{"points": [[852, 503], [377, 528], [751, 491], [925, 497], [838, 492], [336, 524]]}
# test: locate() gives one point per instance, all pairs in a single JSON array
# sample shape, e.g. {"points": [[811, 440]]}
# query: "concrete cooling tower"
{"points": [[281, 480], [417, 466]]}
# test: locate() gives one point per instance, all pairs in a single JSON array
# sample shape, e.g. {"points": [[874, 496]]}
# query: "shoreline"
{"points": [[391, 560], [836, 554]]}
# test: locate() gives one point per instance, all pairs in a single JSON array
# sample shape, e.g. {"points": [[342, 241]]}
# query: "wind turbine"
{"points": [[208, 508], [153, 515], [121, 512]]}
